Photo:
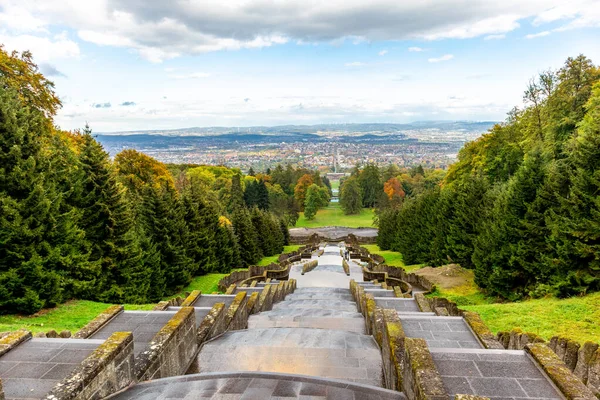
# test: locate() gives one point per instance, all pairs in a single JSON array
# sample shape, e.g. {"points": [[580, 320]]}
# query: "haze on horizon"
{"points": [[130, 65]]}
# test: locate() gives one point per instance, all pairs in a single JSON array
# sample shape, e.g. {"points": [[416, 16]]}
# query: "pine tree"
{"points": [[262, 195], [370, 185], [247, 237], [107, 222], [228, 254], [236, 198], [351, 196], [285, 232], [312, 202], [40, 246]]}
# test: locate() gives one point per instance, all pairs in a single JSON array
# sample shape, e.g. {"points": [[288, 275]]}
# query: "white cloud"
{"points": [[164, 30], [383, 52], [445, 57], [537, 35], [42, 48], [494, 37], [355, 64], [416, 49]]}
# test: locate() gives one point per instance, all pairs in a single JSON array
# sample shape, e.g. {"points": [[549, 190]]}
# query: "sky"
{"points": [[123, 65]]}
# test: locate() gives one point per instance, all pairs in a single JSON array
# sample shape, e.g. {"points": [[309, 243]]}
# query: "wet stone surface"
{"points": [[441, 332], [143, 324], [33, 368], [497, 374], [407, 305], [255, 386], [317, 352], [209, 300]]}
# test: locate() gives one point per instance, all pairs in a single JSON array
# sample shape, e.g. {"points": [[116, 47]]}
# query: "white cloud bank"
{"points": [[163, 30]]}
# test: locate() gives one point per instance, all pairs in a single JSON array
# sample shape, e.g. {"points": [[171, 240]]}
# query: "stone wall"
{"points": [[583, 361], [421, 379], [12, 339], [309, 266], [97, 323], [1, 391], [107, 370], [171, 350]]}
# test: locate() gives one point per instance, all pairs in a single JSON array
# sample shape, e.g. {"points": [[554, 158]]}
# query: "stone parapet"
{"points": [[483, 333], [570, 386], [107, 370], [191, 299], [97, 323], [1, 391], [421, 379], [12, 340], [237, 313], [171, 350], [213, 324], [309, 266], [161, 306]]}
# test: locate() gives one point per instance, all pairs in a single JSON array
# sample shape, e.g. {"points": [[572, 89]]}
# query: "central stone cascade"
{"points": [[313, 345]]}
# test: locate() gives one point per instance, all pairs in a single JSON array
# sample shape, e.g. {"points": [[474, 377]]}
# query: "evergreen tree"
{"points": [[370, 185], [284, 232], [351, 196], [236, 198], [228, 254], [39, 245], [312, 202], [107, 221], [247, 237]]}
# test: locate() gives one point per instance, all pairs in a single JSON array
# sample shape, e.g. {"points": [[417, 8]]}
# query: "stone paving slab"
{"points": [[209, 300], [319, 296], [380, 292], [308, 312], [341, 305], [200, 312], [356, 325], [397, 304], [143, 324], [317, 352], [249, 290], [440, 332], [497, 374], [254, 386], [33, 368]]}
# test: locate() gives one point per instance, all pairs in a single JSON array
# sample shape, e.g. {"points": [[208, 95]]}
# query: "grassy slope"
{"points": [[74, 314], [575, 318], [273, 259], [334, 216], [392, 258]]}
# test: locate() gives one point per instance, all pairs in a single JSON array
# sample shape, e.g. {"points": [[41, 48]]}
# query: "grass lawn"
{"points": [[392, 258], [273, 259], [576, 318], [335, 184], [333, 215], [73, 315]]}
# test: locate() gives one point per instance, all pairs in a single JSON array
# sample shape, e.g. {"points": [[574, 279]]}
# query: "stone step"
{"points": [[254, 386], [309, 312], [209, 300], [341, 305], [320, 296], [397, 303], [321, 290], [380, 292], [440, 332], [349, 324], [497, 374], [316, 352]]}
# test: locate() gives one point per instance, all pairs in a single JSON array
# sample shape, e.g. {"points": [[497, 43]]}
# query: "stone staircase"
{"points": [[315, 331], [464, 364]]}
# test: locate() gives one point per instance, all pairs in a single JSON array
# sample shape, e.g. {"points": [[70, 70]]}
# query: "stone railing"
{"points": [[309, 266], [346, 267], [278, 270]]}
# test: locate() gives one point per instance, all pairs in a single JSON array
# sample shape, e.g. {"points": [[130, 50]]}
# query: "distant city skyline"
{"points": [[128, 65]]}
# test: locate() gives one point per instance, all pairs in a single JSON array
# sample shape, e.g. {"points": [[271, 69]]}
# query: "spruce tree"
{"points": [[351, 196], [247, 237], [236, 195], [41, 248], [107, 222]]}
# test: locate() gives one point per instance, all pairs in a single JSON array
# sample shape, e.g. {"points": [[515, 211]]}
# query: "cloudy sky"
{"points": [[154, 64]]}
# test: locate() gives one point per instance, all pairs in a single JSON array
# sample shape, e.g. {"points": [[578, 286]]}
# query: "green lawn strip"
{"points": [[71, 315], [575, 318], [333, 215], [273, 259], [335, 184]]}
